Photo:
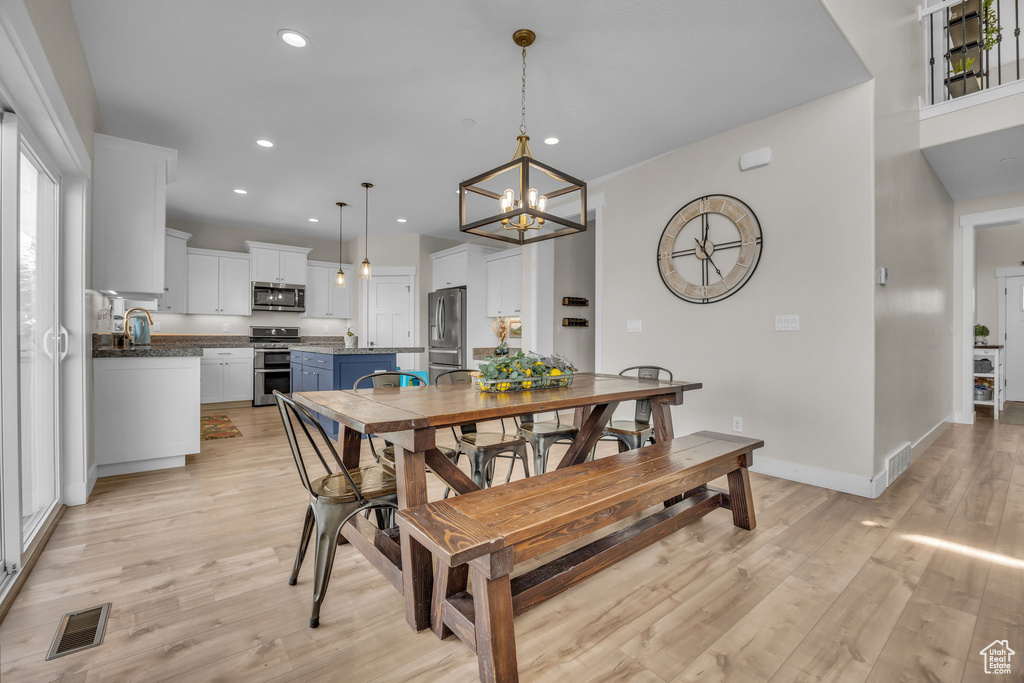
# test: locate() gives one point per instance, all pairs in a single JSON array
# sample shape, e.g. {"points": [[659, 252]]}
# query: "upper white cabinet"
{"points": [[277, 263], [175, 296], [129, 211], [450, 269], [323, 299], [505, 284], [218, 282]]}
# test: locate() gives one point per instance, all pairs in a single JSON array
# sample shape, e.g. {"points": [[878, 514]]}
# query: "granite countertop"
{"points": [[340, 350], [144, 352]]}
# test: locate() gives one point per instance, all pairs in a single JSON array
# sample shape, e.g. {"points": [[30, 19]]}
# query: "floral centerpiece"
{"points": [[500, 328], [524, 372]]}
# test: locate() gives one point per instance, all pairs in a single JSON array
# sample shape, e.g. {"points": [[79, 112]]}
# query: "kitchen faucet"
{"points": [[129, 337]]}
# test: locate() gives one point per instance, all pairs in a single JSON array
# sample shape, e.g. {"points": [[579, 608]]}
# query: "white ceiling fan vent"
{"points": [[897, 464]]}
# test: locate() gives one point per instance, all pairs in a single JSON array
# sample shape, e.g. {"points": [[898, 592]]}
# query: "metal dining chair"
{"points": [[543, 435], [387, 380], [334, 498], [483, 448], [632, 434]]}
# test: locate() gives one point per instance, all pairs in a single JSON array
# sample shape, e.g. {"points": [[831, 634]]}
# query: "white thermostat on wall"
{"points": [[756, 159]]}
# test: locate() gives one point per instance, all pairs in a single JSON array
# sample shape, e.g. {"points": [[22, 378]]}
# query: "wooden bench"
{"points": [[483, 534]]}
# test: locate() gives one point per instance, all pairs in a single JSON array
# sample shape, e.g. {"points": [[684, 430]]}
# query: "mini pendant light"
{"points": [[339, 279], [365, 273], [522, 216]]}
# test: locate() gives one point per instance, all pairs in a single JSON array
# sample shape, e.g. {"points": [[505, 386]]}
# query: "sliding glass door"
{"points": [[39, 339]]}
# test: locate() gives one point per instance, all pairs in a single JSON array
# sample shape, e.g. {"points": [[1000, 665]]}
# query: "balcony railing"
{"points": [[972, 45]]}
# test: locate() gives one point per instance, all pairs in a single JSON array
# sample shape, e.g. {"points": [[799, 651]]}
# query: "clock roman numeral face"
{"points": [[709, 249]]}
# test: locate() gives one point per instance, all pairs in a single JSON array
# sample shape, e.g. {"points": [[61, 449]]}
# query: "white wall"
{"points": [[913, 314], [574, 276], [999, 247], [808, 394]]}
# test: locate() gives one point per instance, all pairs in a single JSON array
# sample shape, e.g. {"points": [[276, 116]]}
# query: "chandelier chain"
{"points": [[522, 125]]}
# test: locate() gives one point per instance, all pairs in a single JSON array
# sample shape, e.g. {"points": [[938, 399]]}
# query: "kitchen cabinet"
{"points": [[505, 284], [450, 269], [129, 211], [226, 375], [175, 296], [323, 299], [218, 282], [145, 413], [329, 372], [277, 263]]}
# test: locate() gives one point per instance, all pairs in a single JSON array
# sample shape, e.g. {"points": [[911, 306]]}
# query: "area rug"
{"points": [[217, 427], [1012, 414]]}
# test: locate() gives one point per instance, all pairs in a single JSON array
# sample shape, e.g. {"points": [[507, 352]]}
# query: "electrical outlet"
{"points": [[737, 424], [227, 327], [787, 323], [325, 329], [156, 327], [634, 325]]}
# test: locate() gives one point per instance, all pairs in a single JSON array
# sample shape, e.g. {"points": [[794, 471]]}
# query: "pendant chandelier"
{"points": [[365, 272], [522, 216], [339, 279]]}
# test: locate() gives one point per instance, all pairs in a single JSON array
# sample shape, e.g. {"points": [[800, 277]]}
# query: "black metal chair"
{"points": [[334, 498], [543, 435], [391, 379], [483, 448], [632, 434]]}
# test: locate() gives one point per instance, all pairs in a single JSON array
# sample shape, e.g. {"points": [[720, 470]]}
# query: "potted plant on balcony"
{"points": [[980, 335], [962, 78]]}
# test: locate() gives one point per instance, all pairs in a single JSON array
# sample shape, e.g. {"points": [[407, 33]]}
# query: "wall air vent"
{"points": [[897, 464]]}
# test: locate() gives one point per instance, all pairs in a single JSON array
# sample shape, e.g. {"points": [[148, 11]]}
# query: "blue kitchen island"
{"points": [[321, 367]]}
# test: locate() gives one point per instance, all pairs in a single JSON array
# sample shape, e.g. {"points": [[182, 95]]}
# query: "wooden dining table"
{"points": [[409, 417]]}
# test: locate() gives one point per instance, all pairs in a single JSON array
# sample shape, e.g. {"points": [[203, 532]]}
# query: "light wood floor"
{"points": [[908, 587]]}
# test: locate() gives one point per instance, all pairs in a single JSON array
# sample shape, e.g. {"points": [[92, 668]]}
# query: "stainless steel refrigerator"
{"points": [[447, 311]]}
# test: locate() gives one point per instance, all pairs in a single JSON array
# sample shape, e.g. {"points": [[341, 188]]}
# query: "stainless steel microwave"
{"points": [[278, 296]]}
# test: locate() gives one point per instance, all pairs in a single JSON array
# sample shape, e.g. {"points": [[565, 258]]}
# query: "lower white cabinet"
{"points": [[218, 283], [145, 413], [323, 299], [505, 284], [226, 375]]}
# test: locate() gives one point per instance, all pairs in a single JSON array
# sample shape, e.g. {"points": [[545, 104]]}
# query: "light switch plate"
{"points": [[787, 323], [634, 325]]}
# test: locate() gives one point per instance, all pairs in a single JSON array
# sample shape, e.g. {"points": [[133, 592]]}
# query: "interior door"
{"points": [[1014, 339], [389, 311]]}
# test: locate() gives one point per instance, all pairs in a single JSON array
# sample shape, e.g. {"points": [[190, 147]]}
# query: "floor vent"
{"points": [[898, 463], [79, 631]]}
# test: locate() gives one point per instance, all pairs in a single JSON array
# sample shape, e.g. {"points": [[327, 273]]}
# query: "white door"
{"points": [[203, 283], [235, 288], [211, 381], [293, 267], [1014, 339], [389, 311], [266, 265]]}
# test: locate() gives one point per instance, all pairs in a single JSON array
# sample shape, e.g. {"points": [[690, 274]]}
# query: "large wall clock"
{"points": [[709, 249]]}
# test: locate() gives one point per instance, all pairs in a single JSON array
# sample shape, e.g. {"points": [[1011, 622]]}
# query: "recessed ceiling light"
{"points": [[550, 141], [1008, 160], [264, 143], [314, 220], [401, 220], [241, 191], [293, 38]]}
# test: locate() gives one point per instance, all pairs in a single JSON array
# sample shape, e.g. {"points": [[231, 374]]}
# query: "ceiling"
{"points": [[416, 96], [975, 167]]}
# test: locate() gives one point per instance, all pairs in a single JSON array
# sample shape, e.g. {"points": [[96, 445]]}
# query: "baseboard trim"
{"points": [[929, 439], [226, 405], [29, 558], [78, 493], [118, 468], [815, 476]]}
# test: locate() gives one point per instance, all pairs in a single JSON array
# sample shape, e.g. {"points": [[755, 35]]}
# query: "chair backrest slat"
{"points": [[642, 414], [389, 379], [292, 412]]}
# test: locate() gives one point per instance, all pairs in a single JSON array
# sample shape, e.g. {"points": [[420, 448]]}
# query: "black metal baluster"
{"points": [[999, 46], [1016, 33], [931, 55]]}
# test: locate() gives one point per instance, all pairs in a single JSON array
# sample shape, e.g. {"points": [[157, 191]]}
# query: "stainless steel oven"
{"points": [[272, 364], [278, 296]]}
